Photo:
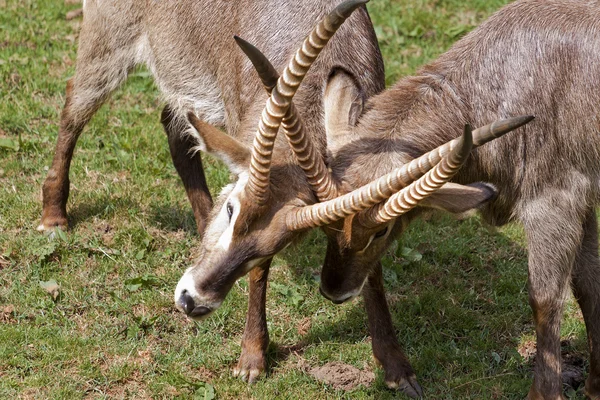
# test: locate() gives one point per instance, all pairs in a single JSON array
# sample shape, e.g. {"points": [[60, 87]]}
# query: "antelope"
{"points": [[532, 56], [264, 211], [188, 46]]}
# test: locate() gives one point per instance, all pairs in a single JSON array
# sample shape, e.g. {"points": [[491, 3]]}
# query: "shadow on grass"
{"points": [[173, 218], [463, 308], [82, 211], [161, 215]]}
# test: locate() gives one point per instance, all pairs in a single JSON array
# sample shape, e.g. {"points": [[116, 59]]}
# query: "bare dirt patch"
{"points": [[7, 314], [572, 363], [527, 349], [342, 376], [304, 326]]}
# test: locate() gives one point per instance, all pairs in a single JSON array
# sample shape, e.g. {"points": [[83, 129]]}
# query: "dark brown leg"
{"points": [[73, 119], [189, 167], [398, 371], [586, 287], [253, 360]]}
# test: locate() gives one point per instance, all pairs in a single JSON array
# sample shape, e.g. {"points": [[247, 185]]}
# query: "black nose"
{"points": [[186, 302], [189, 307]]}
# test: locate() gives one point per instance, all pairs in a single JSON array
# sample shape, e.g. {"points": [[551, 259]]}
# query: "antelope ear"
{"points": [[221, 145], [344, 102], [460, 198]]}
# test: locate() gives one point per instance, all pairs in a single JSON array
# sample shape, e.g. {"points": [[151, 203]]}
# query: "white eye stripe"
{"points": [[233, 202], [368, 244], [374, 236]]}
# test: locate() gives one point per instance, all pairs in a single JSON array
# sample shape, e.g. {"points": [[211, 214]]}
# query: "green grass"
{"points": [[460, 310]]}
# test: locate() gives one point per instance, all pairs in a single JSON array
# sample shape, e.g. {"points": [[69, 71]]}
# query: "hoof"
{"points": [[409, 386], [248, 375], [50, 224], [251, 366]]}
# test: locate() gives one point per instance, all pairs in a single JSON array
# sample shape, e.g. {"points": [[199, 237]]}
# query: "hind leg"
{"points": [[188, 164], [104, 59], [553, 225], [586, 288]]}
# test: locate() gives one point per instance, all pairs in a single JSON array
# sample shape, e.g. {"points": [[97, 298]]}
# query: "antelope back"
{"points": [[189, 49], [531, 57]]}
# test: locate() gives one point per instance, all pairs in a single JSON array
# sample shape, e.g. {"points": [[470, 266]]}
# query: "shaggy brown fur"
{"points": [[532, 57]]}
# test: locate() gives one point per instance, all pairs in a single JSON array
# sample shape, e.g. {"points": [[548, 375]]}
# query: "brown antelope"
{"points": [[539, 57], [188, 46], [264, 211]]}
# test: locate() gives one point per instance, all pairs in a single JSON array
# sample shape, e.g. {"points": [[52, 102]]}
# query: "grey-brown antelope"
{"points": [[263, 212], [538, 57], [188, 46]]}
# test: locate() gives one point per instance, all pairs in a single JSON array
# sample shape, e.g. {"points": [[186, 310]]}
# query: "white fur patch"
{"points": [[188, 283], [355, 293], [349, 295], [143, 54], [185, 283], [200, 146], [368, 243], [233, 199], [253, 263]]}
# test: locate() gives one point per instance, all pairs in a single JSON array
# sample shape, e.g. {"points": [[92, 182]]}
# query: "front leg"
{"points": [[253, 360], [386, 350]]}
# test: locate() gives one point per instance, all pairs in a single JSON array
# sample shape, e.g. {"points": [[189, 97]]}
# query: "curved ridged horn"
{"points": [[498, 128], [309, 159], [266, 71], [281, 97], [384, 187], [409, 197]]}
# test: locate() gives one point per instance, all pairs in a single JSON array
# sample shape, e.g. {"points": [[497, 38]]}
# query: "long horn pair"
{"points": [[308, 157], [279, 102], [383, 188]]}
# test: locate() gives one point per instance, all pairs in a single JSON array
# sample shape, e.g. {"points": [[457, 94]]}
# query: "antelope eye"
{"points": [[229, 210], [381, 233]]}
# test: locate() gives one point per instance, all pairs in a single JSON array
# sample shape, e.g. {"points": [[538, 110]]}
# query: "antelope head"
{"points": [[362, 224], [249, 221]]}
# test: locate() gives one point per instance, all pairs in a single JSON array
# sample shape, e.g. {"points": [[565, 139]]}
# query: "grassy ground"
{"points": [[460, 306]]}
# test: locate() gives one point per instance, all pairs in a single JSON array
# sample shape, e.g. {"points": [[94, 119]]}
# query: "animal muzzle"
{"points": [[196, 305], [338, 299], [187, 304]]}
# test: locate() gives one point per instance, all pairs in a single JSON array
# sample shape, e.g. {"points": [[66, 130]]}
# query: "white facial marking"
{"points": [[350, 295], [387, 232], [185, 283], [355, 293], [368, 243], [223, 217]]}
